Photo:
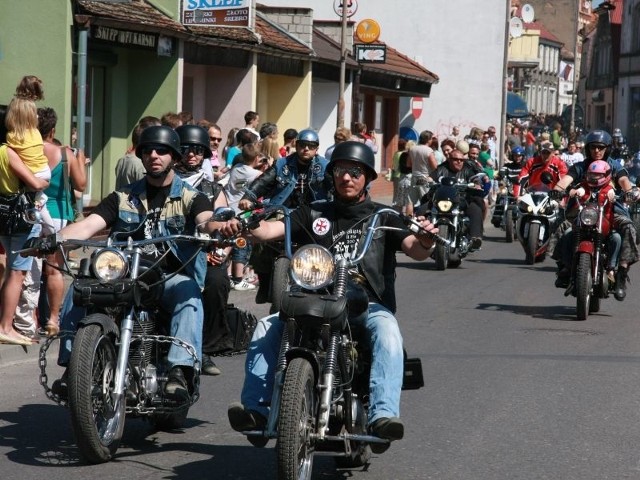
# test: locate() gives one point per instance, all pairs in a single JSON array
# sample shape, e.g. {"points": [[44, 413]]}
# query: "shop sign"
{"points": [[368, 30], [370, 53], [219, 13], [148, 41], [352, 7]]}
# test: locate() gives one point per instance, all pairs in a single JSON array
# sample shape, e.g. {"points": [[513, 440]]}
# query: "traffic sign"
{"points": [[352, 7], [416, 107]]}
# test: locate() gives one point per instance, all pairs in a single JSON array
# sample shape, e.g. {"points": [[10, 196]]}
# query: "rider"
{"points": [[195, 147], [351, 169], [532, 172], [598, 147], [466, 171], [159, 204], [509, 174], [295, 180]]}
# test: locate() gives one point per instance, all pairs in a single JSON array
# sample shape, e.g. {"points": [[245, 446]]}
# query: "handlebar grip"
{"points": [[415, 227]]}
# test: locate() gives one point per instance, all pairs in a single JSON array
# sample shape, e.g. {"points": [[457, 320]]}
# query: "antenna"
{"points": [[527, 13], [516, 28]]}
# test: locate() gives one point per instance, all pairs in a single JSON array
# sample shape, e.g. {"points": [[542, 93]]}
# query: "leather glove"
{"points": [[43, 245], [556, 195]]}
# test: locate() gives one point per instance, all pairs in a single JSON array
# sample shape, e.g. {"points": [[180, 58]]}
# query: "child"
{"points": [[25, 139]]}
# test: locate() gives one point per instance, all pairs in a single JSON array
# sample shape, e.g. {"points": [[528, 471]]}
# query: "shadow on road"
{"points": [[548, 312]]}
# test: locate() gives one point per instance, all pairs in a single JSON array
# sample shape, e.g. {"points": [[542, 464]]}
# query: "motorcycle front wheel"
{"points": [[532, 243], [296, 422], [441, 253], [97, 421], [279, 282], [584, 284], [508, 225]]}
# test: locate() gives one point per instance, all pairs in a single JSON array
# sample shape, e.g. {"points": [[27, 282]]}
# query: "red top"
{"points": [[535, 167]]}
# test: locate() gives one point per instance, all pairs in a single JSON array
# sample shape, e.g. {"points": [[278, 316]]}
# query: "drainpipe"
{"points": [[505, 78], [83, 34], [343, 64]]}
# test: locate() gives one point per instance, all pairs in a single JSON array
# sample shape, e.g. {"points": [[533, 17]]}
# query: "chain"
{"points": [[44, 379]]}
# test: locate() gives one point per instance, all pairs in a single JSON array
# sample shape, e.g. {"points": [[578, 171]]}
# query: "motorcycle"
{"points": [[537, 218], [595, 243], [118, 366], [445, 199], [505, 210], [321, 386]]}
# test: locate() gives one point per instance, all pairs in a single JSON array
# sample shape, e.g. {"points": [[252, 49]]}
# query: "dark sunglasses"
{"points": [[456, 159], [195, 149], [354, 172], [215, 139], [597, 147], [159, 149], [309, 145]]}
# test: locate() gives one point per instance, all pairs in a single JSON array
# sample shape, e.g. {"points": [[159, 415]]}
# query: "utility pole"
{"points": [[343, 63], [576, 71]]}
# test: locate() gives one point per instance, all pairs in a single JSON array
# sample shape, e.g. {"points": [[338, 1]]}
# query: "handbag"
{"points": [[241, 325], [12, 210]]}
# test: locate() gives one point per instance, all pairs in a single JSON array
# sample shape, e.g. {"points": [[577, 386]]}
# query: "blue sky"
{"points": [[595, 3]]}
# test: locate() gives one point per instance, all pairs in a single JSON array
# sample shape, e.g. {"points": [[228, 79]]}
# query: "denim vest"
{"points": [[132, 212], [287, 177]]}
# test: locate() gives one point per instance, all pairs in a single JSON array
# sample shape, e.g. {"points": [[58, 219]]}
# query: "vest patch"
{"points": [[321, 226]]}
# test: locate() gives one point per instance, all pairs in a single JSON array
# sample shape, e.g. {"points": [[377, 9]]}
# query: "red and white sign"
{"points": [[416, 107]]}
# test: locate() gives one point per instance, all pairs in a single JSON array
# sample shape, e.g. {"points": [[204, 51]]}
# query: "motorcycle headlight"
{"points": [[312, 267], [109, 264], [525, 207], [589, 217], [445, 205]]}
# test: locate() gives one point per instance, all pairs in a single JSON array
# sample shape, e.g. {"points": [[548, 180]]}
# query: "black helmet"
{"points": [[194, 135], [159, 135], [600, 137], [354, 152]]}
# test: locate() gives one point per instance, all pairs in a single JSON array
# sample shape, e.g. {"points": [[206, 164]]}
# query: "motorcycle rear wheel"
{"points": [[441, 253], [532, 243], [296, 422], [97, 423], [584, 284]]}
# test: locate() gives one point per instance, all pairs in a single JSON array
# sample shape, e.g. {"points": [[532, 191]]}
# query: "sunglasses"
{"points": [[354, 172], [309, 145], [215, 139], [159, 149], [195, 149], [597, 147], [456, 159]]}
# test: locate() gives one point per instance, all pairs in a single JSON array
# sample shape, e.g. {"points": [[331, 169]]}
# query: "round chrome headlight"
{"points": [[109, 264], [312, 267], [445, 205], [589, 216]]}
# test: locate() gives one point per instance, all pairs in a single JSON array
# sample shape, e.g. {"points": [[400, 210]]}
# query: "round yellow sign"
{"points": [[368, 30]]}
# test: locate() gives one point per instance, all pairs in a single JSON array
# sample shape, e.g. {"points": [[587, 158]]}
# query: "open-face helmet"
{"points": [[354, 152], [308, 135], [598, 174], [193, 135], [598, 137], [160, 136]]}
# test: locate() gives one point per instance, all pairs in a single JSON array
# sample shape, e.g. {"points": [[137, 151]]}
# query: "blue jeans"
{"points": [[181, 299], [387, 368], [16, 242]]}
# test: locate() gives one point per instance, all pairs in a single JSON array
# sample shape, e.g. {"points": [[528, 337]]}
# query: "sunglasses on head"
{"points": [[354, 172], [159, 149], [309, 145], [195, 149]]}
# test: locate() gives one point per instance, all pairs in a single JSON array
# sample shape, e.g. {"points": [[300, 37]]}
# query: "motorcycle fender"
{"points": [[585, 247], [310, 356], [107, 324]]}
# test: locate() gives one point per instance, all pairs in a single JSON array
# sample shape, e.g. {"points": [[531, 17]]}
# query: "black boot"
{"points": [[621, 283]]}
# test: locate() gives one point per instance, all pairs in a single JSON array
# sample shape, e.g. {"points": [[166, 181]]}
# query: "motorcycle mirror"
{"points": [[223, 214], [546, 178], [33, 216]]}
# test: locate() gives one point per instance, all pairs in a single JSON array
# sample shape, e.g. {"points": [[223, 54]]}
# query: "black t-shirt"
{"points": [[339, 227], [156, 197]]}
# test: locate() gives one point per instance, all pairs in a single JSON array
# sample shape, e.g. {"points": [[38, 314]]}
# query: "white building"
{"points": [[463, 41]]}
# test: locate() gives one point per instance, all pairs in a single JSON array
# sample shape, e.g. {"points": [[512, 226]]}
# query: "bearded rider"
{"points": [[598, 145], [338, 225]]}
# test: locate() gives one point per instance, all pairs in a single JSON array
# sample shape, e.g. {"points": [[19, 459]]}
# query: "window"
{"points": [[635, 40]]}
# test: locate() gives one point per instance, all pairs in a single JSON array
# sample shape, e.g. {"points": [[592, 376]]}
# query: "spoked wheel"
{"points": [[584, 284], [532, 243], [296, 422], [279, 282], [442, 251], [508, 225], [97, 421]]}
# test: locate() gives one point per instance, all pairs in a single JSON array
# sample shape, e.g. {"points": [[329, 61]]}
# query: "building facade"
{"points": [[628, 94]]}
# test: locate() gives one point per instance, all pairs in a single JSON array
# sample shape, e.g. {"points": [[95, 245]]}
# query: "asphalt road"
{"points": [[516, 388]]}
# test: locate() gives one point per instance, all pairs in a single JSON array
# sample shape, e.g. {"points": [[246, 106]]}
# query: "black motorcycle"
{"points": [[445, 200], [505, 210], [118, 364], [321, 387]]}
